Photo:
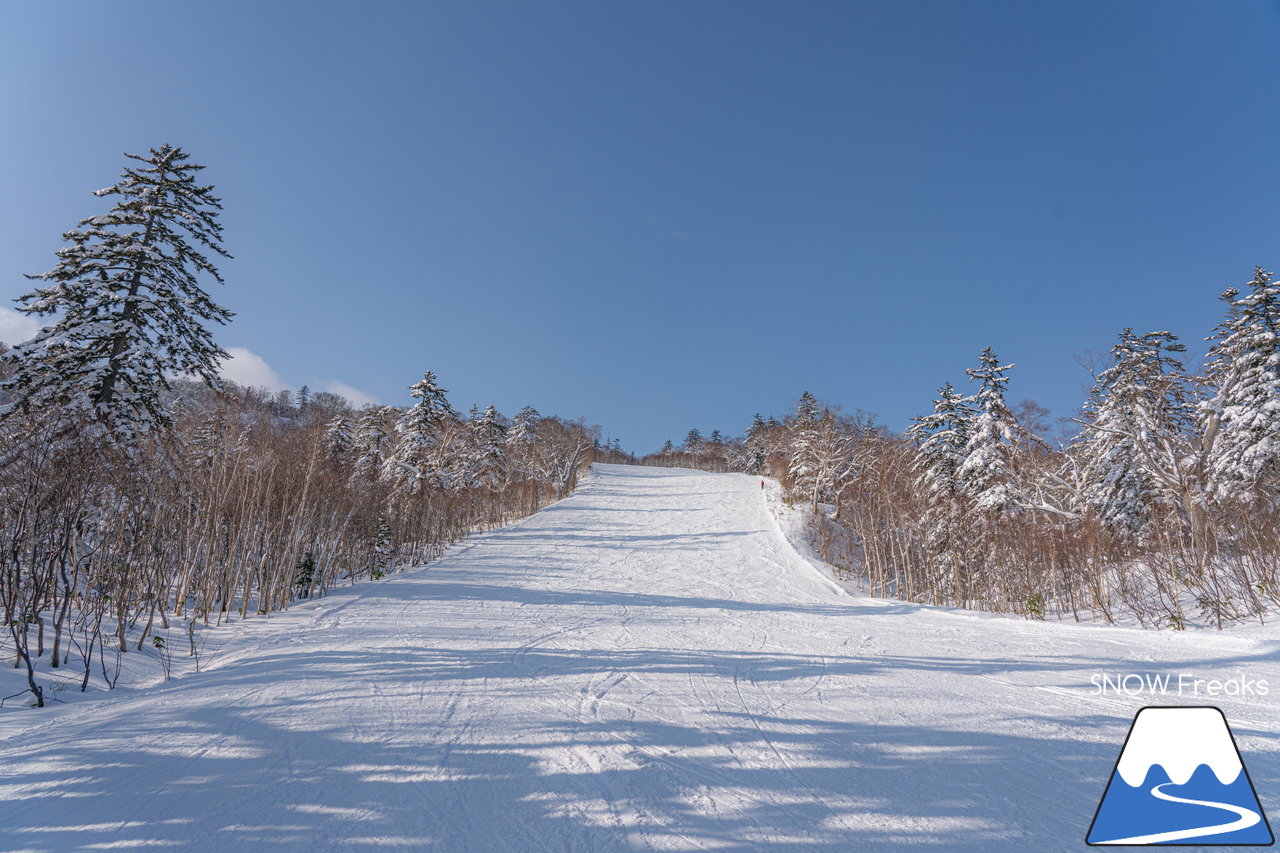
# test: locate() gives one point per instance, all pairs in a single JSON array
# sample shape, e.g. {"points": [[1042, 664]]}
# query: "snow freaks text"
{"points": [[1181, 684]]}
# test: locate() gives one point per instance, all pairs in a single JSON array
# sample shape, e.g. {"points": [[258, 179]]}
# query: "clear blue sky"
{"points": [[662, 215]]}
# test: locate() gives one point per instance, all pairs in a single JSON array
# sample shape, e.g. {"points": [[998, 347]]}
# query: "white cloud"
{"points": [[355, 395], [16, 328], [248, 368]]}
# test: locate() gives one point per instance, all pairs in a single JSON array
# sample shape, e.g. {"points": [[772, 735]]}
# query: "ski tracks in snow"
{"points": [[645, 665]]}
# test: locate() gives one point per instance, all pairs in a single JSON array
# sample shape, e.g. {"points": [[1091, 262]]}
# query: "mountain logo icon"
{"points": [[1180, 780]]}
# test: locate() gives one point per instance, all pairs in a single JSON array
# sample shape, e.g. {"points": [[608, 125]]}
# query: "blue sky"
{"points": [[662, 215]]}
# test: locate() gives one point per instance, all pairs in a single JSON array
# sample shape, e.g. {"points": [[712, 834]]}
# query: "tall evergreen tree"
{"points": [[1137, 431], [802, 465], [754, 443], [524, 426], [807, 410], [941, 440], [416, 458], [131, 309], [488, 459], [338, 440], [372, 442], [1241, 421], [986, 474], [522, 442], [942, 445]]}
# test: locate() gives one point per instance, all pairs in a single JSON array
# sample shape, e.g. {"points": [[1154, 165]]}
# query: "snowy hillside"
{"points": [[648, 664]]}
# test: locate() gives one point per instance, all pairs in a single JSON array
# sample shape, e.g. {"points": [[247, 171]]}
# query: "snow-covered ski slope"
{"points": [[647, 664]]}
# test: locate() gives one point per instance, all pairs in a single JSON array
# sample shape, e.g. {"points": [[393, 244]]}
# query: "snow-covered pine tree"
{"points": [[755, 445], [1241, 421], [487, 465], [941, 440], [448, 465], [1115, 485], [372, 442], [807, 409], [737, 457], [416, 459], [339, 439], [130, 308], [524, 426], [522, 442], [1137, 432], [802, 465], [986, 474], [693, 443]]}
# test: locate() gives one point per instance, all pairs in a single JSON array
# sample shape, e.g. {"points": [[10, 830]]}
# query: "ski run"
{"points": [[649, 664]]}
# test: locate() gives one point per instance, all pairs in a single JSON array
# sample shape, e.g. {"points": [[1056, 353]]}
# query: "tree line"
{"points": [[1162, 504], [141, 495]]}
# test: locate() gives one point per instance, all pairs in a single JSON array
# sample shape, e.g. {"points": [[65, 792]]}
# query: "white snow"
{"points": [[1179, 740], [648, 664]]}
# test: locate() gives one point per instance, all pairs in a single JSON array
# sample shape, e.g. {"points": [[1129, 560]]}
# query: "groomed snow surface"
{"points": [[647, 664]]}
